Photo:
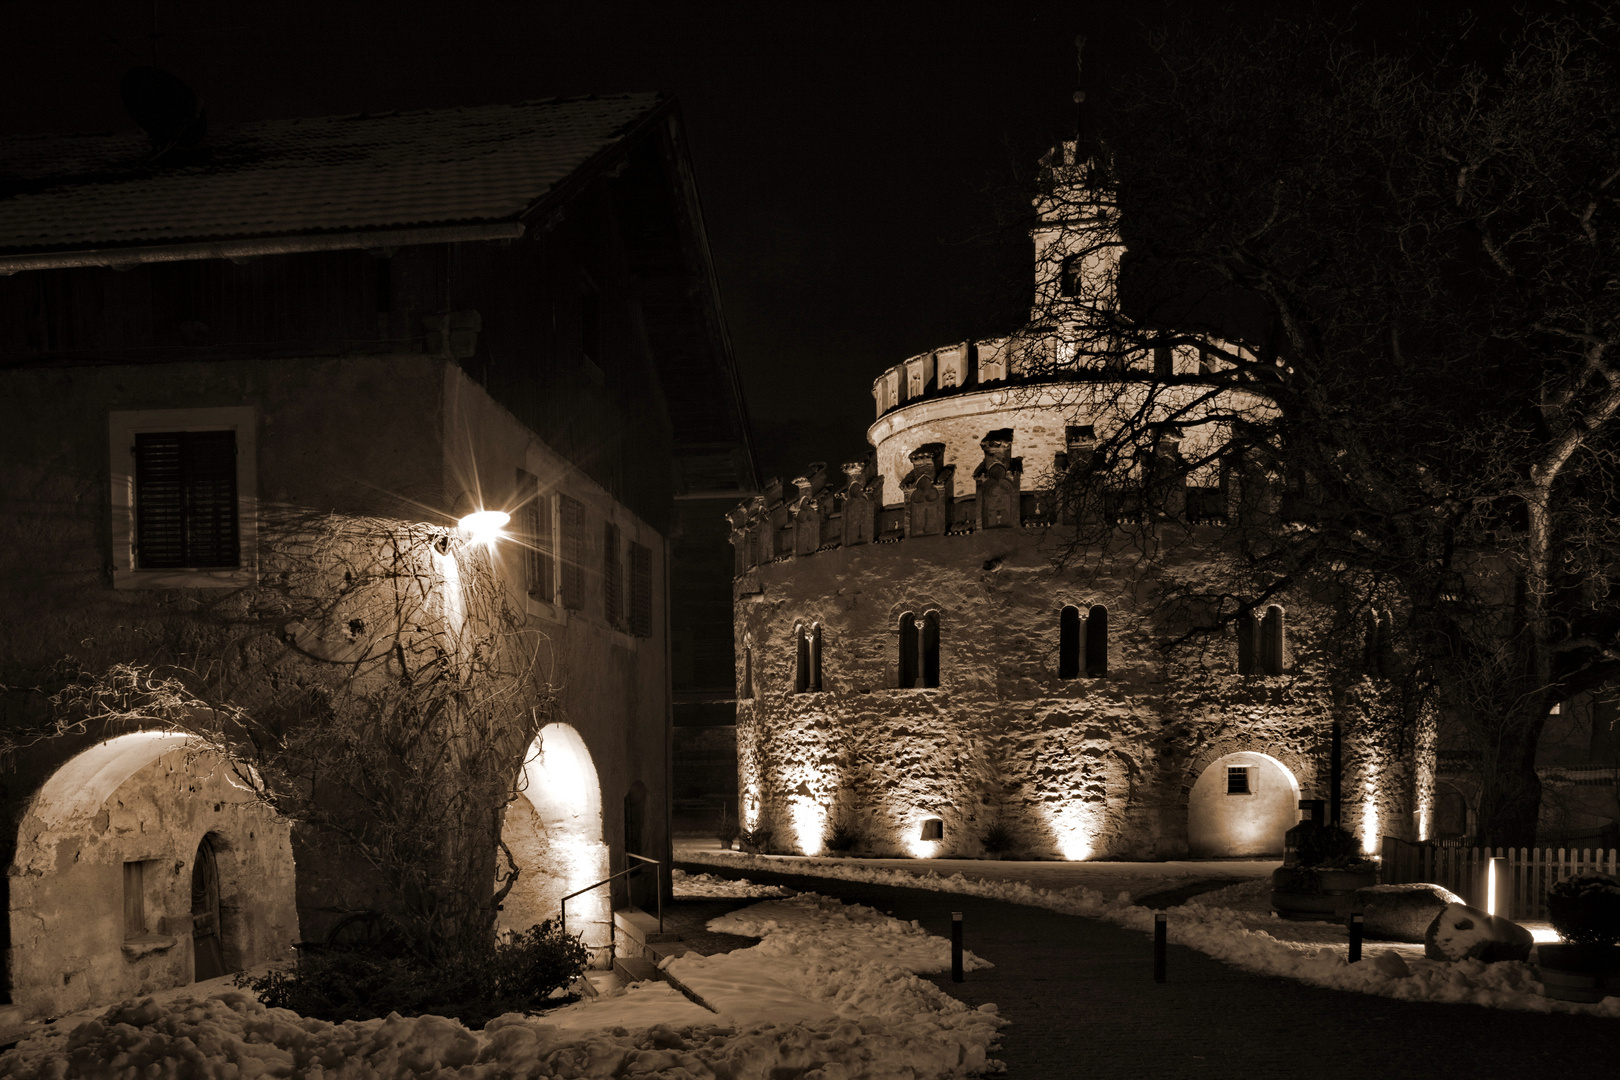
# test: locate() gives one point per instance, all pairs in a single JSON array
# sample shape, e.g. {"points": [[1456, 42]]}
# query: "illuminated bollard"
{"points": [[956, 946], [1356, 922], [1160, 932], [1498, 900]]}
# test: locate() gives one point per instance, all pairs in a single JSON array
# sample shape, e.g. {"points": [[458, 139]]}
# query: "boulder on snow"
{"points": [[1462, 932], [1401, 912], [1389, 962]]}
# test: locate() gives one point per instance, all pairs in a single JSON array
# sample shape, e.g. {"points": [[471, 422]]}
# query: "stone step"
{"points": [[597, 983], [634, 969], [636, 926], [659, 951]]}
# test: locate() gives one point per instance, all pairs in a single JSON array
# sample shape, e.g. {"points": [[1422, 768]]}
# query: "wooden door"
{"points": [[207, 954]]}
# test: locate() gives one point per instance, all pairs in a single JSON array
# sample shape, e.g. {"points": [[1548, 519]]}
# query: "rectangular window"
{"points": [[1237, 780], [134, 900], [185, 500], [534, 532], [612, 576], [640, 590], [571, 524]]}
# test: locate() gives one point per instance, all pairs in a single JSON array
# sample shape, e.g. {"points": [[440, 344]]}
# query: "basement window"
{"points": [[1237, 780]]}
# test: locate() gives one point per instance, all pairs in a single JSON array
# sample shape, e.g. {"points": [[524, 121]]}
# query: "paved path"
{"points": [[1083, 1004]]}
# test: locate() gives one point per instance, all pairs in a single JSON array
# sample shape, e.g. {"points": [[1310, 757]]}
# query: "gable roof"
{"points": [[284, 178]]}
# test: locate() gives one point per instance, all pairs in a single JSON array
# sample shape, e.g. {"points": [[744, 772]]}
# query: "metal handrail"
{"points": [[562, 906]]}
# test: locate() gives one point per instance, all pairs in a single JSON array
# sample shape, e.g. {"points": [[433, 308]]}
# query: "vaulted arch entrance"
{"points": [[1242, 804], [554, 834], [120, 850]]}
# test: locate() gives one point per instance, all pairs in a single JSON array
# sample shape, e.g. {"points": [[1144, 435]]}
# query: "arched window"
{"points": [[930, 649], [748, 672], [1096, 637], [1248, 632], [1272, 646], [908, 650], [815, 657], [1069, 643], [801, 665]]}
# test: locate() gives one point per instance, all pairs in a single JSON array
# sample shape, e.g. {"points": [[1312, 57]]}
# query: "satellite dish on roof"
{"points": [[165, 108]]}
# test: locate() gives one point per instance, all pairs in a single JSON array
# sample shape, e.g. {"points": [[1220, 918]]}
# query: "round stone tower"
{"points": [[916, 674]]}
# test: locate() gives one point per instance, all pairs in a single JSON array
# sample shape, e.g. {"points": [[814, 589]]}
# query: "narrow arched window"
{"points": [[1272, 645], [930, 649], [748, 672], [908, 650], [1096, 637], [1248, 632], [1069, 643], [801, 666], [815, 657]]}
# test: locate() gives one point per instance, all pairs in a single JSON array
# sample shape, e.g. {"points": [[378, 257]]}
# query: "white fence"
{"points": [[1530, 871]]}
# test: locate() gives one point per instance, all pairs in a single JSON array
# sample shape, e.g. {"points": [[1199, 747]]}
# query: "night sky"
{"points": [[859, 164]]}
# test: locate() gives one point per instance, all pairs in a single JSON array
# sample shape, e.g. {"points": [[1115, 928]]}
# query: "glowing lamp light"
{"points": [[809, 822], [484, 526]]}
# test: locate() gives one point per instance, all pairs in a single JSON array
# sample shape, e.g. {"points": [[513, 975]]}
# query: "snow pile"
{"points": [[1242, 936], [831, 992], [690, 885]]}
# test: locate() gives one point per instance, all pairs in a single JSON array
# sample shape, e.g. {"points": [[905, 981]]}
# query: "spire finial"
{"points": [[1079, 80]]}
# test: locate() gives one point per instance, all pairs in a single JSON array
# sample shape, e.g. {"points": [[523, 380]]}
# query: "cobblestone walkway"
{"points": [[1082, 1003]]}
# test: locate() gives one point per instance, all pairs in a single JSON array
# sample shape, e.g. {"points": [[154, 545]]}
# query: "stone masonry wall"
{"points": [[1075, 768]]}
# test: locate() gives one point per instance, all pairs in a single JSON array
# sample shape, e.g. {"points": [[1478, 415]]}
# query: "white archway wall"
{"points": [[69, 946], [555, 836], [1220, 824]]}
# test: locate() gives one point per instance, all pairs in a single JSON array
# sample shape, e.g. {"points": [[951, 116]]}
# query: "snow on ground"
{"points": [[830, 992], [1234, 924], [708, 885]]}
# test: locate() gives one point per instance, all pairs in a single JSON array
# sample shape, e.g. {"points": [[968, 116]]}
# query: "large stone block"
{"points": [[1402, 912], [1461, 932]]}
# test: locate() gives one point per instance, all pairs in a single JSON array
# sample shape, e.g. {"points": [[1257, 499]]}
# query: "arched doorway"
{"points": [[207, 944], [1242, 804], [554, 833], [110, 872]]}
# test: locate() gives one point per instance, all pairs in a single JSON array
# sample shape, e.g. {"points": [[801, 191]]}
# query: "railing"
{"points": [[562, 906], [1531, 871]]}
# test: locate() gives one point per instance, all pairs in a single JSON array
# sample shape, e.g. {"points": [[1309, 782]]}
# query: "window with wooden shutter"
{"points": [[571, 524], [640, 590], [612, 576], [185, 500], [534, 531]]}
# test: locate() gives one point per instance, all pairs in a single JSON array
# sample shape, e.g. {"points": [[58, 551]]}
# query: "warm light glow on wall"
{"points": [[1074, 827], [809, 824], [1369, 814], [751, 806], [453, 601]]}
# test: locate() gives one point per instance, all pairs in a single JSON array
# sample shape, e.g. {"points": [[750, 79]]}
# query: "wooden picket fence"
{"points": [[1462, 870]]}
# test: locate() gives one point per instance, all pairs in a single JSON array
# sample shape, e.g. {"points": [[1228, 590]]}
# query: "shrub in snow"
{"points": [[844, 836], [1402, 912], [998, 839], [1328, 847], [1461, 932], [1585, 909], [362, 983]]}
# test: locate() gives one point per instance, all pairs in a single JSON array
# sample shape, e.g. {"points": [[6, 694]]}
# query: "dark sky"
{"points": [[851, 157]]}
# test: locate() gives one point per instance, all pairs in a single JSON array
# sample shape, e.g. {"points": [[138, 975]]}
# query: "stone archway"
{"points": [[101, 884], [554, 833], [1242, 804]]}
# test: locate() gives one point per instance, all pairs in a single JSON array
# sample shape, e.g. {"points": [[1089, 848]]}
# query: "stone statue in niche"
{"points": [[1078, 501], [1169, 474], [744, 544], [997, 481], [862, 500], [927, 491], [808, 510]]}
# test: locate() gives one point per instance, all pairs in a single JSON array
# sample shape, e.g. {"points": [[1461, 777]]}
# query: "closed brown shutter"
{"points": [[571, 523], [612, 576], [185, 500], [640, 590], [534, 532]]}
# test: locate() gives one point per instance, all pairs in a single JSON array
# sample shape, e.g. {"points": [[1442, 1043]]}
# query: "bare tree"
{"points": [[1370, 297]]}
